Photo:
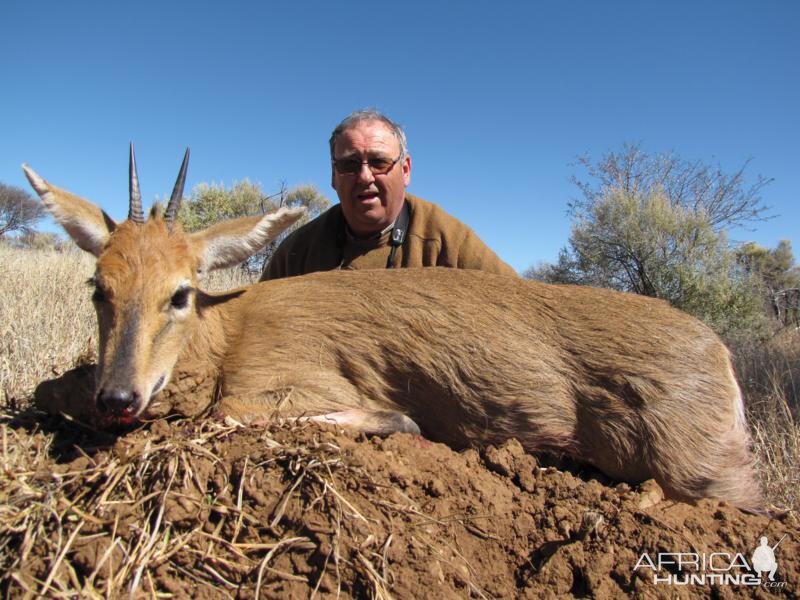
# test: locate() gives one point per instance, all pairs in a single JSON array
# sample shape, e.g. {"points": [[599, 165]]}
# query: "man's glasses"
{"points": [[352, 166]]}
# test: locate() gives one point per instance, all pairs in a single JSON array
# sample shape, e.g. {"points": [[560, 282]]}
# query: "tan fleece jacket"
{"points": [[434, 239]]}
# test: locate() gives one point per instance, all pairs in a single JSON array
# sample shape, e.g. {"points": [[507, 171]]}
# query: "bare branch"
{"points": [[18, 210]]}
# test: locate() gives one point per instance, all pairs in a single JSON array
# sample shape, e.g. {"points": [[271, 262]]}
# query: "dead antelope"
{"points": [[623, 382]]}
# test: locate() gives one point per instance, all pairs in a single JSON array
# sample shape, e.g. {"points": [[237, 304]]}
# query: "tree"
{"points": [[18, 210], [777, 278], [39, 240], [649, 246], [210, 204], [776, 269], [655, 225], [308, 196], [725, 198]]}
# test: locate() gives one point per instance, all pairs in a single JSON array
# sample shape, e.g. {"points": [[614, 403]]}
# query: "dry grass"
{"points": [[226, 279], [770, 378], [47, 318]]}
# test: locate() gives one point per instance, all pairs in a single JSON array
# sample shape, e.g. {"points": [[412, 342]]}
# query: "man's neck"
{"points": [[368, 236]]}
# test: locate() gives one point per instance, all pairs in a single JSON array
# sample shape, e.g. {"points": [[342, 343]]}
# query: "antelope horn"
{"points": [[135, 212], [177, 191]]}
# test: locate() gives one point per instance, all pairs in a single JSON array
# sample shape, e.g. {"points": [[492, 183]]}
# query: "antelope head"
{"points": [[146, 281]]}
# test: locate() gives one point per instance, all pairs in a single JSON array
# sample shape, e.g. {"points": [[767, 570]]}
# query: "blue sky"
{"points": [[497, 98]]}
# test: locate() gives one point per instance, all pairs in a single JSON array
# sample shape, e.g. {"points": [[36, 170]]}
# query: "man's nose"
{"points": [[365, 174]]}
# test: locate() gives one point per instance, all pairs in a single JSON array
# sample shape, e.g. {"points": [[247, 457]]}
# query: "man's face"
{"points": [[370, 203]]}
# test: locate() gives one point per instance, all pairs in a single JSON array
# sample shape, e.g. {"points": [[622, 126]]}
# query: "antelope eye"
{"points": [[180, 299], [98, 295]]}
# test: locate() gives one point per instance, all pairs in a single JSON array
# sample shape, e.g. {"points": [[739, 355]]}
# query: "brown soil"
{"points": [[204, 507]]}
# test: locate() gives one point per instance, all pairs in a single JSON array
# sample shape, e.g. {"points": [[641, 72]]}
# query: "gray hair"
{"points": [[370, 114]]}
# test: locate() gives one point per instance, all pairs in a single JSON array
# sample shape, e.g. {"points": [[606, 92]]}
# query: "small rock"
{"points": [[527, 480], [564, 527], [650, 494], [462, 574], [498, 461], [591, 522], [435, 569], [160, 428], [436, 488]]}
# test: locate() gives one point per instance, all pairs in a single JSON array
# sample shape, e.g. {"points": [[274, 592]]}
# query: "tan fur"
{"points": [[623, 382], [86, 224]]}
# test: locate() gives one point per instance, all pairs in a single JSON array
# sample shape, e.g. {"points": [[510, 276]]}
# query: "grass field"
{"points": [[47, 322]]}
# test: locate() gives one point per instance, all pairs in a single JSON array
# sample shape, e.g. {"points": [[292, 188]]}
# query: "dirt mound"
{"points": [[206, 507]]}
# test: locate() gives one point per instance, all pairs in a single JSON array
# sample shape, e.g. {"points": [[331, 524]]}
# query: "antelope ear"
{"points": [[86, 224], [229, 243]]}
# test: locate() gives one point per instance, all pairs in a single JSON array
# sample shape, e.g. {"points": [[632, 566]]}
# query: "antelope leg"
{"points": [[373, 422]]}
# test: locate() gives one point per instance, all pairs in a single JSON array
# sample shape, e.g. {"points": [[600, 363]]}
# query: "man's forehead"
{"points": [[367, 136]]}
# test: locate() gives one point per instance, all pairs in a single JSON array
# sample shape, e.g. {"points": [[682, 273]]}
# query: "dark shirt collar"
{"points": [[375, 236]]}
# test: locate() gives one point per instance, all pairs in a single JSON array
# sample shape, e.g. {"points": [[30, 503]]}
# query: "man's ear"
{"points": [[86, 224], [229, 243]]}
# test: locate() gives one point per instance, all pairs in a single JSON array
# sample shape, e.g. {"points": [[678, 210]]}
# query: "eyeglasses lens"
{"points": [[350, 166]]}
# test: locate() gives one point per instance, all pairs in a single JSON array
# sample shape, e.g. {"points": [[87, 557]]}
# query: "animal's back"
{"points": [[624, 382], [473, 333]]}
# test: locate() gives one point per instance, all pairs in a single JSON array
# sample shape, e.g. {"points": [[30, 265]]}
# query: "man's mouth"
{"points": [[367, 196]]}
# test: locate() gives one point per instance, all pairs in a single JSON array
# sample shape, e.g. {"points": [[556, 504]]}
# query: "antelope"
{"points": [[623, 382]]}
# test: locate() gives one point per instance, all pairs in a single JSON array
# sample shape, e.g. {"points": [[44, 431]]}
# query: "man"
{"points": [[377, 224]]}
